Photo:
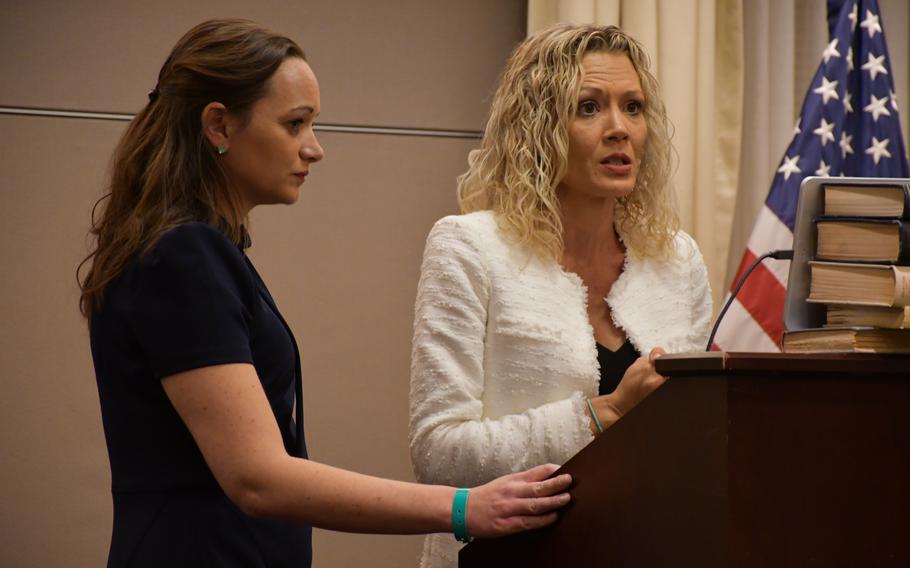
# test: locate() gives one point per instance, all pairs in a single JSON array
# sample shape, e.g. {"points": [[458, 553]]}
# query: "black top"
{"points": [[613, 365], [195, 300]]}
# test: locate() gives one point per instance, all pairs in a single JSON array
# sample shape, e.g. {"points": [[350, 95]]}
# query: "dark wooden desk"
{"points": [[741, 460]]}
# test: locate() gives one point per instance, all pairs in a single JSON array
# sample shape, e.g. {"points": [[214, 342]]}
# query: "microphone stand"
{"points": [[775, 254]]}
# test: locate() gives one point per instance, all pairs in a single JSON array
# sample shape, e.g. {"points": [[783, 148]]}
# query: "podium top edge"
{"points": [[688, 364]]}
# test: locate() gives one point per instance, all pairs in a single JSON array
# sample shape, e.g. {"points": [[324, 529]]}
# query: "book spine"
{"points": [[901, 286], [903, 232], [903, 257], [905, 214]]}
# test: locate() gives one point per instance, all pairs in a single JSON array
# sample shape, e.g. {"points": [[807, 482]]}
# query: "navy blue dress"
{"points": [[195, 300]]}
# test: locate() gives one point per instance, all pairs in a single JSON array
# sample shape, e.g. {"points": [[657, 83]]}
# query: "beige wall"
{"points": [[342, 263]]}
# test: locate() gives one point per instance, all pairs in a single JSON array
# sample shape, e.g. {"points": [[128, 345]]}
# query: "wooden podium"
{"points": [[740, 460]]}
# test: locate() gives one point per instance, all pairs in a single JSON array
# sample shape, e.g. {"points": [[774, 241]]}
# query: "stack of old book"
{"points": [[860, 272]]}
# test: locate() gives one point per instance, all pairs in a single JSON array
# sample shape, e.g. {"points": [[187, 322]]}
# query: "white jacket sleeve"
{"points": [[701, 299], [451, 441]]}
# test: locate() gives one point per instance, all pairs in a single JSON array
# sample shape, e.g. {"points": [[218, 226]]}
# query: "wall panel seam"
{"points": [[319, 127]]}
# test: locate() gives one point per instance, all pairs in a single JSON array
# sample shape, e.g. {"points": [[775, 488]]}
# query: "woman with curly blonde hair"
{"points": [[535, 305]]}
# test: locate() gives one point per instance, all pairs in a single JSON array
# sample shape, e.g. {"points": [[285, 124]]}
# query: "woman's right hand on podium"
{"points": [[640, 380], [517, 502]]}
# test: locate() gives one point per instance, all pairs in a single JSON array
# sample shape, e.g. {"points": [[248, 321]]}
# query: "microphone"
{"points": [[782, 254]]}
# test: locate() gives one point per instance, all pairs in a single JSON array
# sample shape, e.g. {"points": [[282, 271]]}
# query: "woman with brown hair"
{"points": [[196, 368], [542, 307]]}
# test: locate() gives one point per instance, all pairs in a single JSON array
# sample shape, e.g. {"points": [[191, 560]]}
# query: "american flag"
{"points": [[848, 126]]}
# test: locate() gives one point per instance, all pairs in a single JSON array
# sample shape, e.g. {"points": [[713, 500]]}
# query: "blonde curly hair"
{"points": [[524, 151]]}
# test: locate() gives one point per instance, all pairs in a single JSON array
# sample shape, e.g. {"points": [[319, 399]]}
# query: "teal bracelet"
{"points": [[459, 508], [597, 423]]}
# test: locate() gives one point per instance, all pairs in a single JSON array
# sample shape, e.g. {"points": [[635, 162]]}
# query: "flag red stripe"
{"points": [[763, 297], [748, 258]]}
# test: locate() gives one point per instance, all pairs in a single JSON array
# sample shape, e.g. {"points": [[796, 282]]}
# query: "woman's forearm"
{"points": [[332, 498], [607, 413], [228, 415]]}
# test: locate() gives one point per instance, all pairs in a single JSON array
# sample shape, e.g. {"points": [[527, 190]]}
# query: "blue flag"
{"points": [[849, 122]]}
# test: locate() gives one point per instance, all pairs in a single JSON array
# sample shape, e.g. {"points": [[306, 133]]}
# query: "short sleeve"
{"points": [[191, 302]]}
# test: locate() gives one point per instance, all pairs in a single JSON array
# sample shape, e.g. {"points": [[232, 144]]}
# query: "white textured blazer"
{"points": [[504, 355]]}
